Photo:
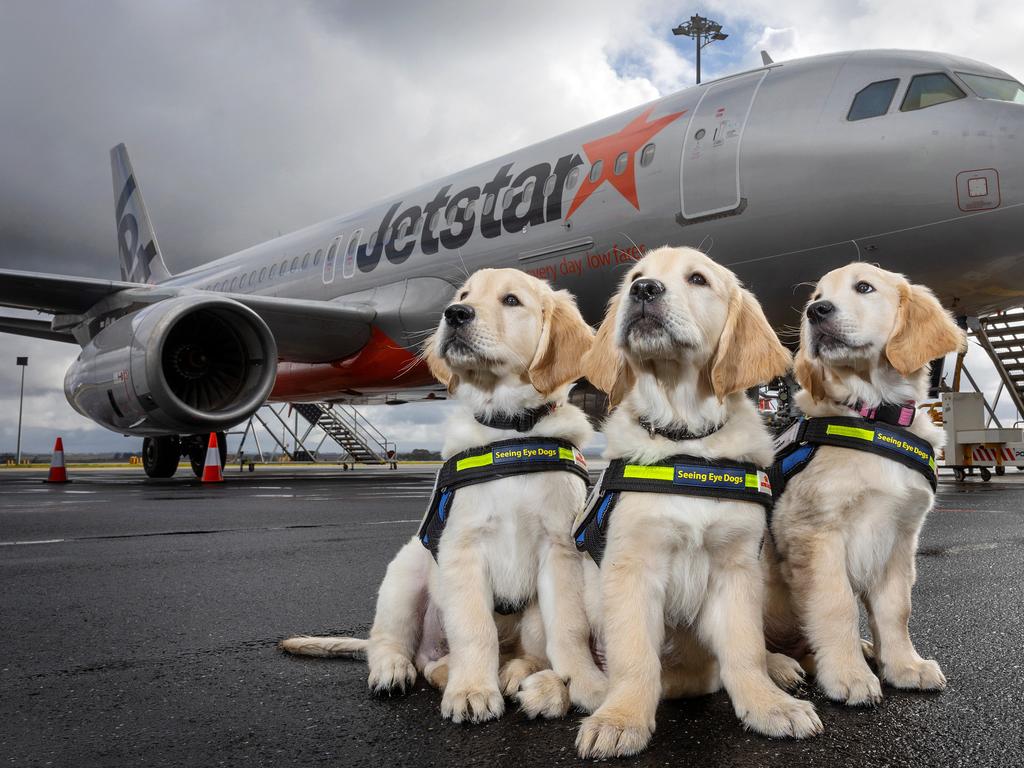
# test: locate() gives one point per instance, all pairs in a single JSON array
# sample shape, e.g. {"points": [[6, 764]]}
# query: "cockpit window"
{"points": [[872, 101], [929, 90], [994, 87]]}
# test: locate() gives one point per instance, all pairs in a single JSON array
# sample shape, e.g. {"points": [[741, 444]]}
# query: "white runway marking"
{"points": [[25, 543]]}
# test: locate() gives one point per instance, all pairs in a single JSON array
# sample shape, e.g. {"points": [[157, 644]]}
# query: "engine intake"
{"points": [[183, 365]]}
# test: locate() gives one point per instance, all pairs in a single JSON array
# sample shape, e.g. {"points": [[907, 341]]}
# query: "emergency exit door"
{"points": [[710, 174]]}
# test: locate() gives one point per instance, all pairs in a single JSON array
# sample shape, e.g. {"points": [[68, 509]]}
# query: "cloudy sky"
{"points": [[249, 119]]}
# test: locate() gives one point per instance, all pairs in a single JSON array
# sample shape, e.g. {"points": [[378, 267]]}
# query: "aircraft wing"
{"points": [[305, 331]]}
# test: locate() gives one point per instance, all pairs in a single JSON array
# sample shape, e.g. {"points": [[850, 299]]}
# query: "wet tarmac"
{"points": [[138, 621]]}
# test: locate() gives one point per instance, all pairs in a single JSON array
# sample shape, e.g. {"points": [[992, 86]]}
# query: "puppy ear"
{"points": [[809, 374], [749, 352], [923, 331], [605, 366], [438, 367], [565, 338]]}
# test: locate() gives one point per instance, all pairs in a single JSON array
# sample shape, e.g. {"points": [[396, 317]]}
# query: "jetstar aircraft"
{"points": [[911, 160]]}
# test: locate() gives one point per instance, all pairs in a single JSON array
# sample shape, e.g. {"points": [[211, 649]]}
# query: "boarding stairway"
{"points": [[363, 442], [1001, 335]]}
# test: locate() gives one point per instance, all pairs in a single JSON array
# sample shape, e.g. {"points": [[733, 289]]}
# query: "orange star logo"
{"points": [[629, 140]]}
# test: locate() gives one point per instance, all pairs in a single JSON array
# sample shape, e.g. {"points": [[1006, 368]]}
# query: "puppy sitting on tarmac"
{"points": [[677, 522], [859, 479], [494, 572]]}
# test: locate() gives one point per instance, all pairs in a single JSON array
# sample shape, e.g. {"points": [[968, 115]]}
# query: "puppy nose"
{"points": [[459, 314], [646, 289], [819, 310]]}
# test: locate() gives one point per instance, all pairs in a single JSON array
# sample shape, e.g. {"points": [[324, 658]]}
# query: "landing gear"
{"points": [[197, 445], [160, 456]]}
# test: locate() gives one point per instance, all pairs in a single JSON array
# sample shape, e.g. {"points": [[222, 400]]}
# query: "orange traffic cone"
{"points": [[58, 474], [211, 469]]}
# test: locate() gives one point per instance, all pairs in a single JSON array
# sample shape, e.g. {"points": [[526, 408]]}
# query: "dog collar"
{"points": [[523, 421], [899, 415], [676, 435]]}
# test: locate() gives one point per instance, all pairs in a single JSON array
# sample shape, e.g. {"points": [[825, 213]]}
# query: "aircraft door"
{"points": [[710, 173], [331, 260]]}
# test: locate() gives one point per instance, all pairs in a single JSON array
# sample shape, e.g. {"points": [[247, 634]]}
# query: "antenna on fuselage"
{"points": [[766, 59]]}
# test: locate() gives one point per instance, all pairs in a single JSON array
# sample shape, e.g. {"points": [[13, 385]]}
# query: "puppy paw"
{"points": [[920, 675], [783, 717], [436, 673], [587, 691], [868, 649], [391, 672], [784, 671], [512, 674], [543, 694], [471, 704], [856, 686], [610, 734]]}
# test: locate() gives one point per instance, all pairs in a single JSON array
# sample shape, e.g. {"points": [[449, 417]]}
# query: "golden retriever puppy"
{"points": [[677, 600], [509, 349], [846, 527]]}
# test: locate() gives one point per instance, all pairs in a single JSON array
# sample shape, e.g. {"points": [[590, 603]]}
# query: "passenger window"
{"points": [[574, 177], [449, 215], [872, 100], [528, 192], [647, 156], [549, 185], [234, 284], [432, 224], [506, 199], [489, 204], [305, 261], [372, 242], [273, 271], [620, 163], [595, 171], [252, 278], [419, 225], [929, 90], [284, 267], [263, 274]]}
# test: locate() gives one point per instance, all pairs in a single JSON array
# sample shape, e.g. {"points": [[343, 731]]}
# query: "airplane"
{"points": [[912, 160]]}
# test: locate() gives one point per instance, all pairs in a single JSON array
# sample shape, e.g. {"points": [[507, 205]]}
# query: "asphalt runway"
{"points": [[139, 620]]}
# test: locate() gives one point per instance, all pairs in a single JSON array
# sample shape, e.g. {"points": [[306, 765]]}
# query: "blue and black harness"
{"points": [[682, 474]]}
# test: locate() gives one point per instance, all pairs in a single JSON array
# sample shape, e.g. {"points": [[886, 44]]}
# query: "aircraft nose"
{"points": [[646, 289], [458, 315], [819, 310]]}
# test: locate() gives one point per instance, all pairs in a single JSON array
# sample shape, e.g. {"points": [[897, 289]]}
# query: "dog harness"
{"points": [[795, 447], [681, 474]]}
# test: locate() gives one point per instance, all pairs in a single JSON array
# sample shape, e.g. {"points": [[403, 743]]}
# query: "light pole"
{"points": [[703, 31], [23, 364]]}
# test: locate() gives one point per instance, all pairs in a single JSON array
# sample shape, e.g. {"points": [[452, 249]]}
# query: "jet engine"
{"points": [[184, 365]]}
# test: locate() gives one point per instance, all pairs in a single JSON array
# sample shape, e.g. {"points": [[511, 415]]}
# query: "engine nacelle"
{"points": [[185, 365]]}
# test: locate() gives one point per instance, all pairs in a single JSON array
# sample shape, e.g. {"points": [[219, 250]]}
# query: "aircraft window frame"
{"points": [[241, 281], [468, 209], [977, 87], [595, 171], [647, 155], [284, 268], [252, 278], [573, 178], [295, 265], [506, 199], [489, 202], [449, 215], [621, 163], [527, 191], [330, 260], [549, 185], [892, 83], [348, 267], [316, 257], [263, 274], [417, 228], [916, 78], [305, 260], [234, 284], [273, 271], [371, 242]]}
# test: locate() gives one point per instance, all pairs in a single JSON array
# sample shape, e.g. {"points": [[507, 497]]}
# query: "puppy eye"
{"points": [[636, 276], [511, 300], [863, 287], [463, 295], [697, 279], [815, 297]]}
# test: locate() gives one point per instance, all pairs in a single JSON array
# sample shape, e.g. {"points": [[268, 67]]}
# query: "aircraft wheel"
{"points": [[986, 475], [160, 456]]}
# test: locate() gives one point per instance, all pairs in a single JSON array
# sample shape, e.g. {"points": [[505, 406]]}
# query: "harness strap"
{"points": [[900, 415], [681, 474], [523, 421], [505, 458], [890, 441]]}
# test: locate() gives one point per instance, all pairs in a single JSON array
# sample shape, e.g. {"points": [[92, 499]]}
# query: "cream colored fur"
{"points": [[510, 537], [677, 602], [846, 528]]}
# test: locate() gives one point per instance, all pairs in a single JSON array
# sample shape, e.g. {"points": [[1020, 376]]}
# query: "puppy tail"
{"points": [[325, 647]]}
